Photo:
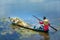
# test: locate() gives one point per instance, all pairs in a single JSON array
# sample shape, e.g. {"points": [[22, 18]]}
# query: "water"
{"points": [[8, 33], [24, 9]]}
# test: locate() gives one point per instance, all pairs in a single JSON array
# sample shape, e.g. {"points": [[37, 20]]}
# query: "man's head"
{"points": [[44, 18]]}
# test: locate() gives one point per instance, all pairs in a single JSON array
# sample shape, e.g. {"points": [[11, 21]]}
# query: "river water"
{"points": [[24, 9], [8, 33]]}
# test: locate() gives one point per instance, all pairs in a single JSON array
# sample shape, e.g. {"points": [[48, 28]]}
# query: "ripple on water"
{"points": [[14, 36], [56, 36]]}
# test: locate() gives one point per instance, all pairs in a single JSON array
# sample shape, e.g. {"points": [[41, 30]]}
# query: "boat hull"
{"points": [[37, 30]]}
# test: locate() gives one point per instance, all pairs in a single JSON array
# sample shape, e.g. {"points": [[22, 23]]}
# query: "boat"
{"points": [[18, 22], [37, 30]]}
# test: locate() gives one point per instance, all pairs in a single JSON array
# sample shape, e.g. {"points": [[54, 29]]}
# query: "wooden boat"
{"points": [[22, 24], [30, 28], [37, 30]]}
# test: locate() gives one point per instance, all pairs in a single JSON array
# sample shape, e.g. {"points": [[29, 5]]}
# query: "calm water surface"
{"points": [[8, 33]]}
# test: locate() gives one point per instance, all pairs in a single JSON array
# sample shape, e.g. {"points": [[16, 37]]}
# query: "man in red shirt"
{"points": [[45, 23]]}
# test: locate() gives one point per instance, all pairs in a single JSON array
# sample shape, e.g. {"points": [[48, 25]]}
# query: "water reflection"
{"points": [[13, 32], [31, 35], [45, 36], [6, 32]]}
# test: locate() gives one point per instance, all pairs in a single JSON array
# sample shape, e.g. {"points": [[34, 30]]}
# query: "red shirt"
{"points": [[46, 27]]}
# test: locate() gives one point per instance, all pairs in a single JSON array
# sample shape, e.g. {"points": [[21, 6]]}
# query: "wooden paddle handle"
{"points": [[53, 28]]}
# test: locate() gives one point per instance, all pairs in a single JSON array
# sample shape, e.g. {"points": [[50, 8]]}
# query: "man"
{"points": [[45, 23]]}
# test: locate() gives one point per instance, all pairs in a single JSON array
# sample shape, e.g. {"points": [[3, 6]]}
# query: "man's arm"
{"points": [[41, 22]]}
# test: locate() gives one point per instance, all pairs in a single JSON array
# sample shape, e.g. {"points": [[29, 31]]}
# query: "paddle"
{"points": [[36, 18], [41, 20], [53, 28]]}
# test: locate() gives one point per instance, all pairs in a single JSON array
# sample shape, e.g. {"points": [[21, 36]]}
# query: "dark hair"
{"points": [[44, 17]]}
